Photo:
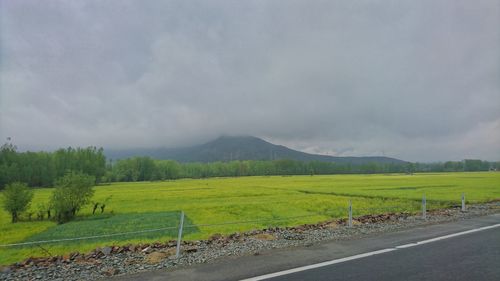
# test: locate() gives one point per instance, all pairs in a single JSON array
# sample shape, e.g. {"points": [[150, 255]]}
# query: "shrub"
{"points": [[16, 199], [73, 191]]}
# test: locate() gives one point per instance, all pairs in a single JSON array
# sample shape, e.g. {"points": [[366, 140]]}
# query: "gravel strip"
{"points": [[115, 260]]}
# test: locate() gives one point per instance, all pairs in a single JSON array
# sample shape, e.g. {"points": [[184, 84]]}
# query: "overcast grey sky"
{"points": [[416, 80]]}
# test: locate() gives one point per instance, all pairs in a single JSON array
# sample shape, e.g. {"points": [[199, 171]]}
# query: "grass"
{"points": [[263, 201], [164, 222]]}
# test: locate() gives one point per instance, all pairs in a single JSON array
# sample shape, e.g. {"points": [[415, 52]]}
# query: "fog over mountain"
{"points": [[413, 80], [232, 148]]}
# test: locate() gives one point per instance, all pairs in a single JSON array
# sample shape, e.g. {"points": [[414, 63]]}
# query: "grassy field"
{"points": [[265, 201]]}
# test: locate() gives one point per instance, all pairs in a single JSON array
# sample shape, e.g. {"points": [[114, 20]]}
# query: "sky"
{"points": [[415, 80]]}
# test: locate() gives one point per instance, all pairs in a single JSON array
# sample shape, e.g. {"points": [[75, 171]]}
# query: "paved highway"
{"points": [[470, 256], [474, 256]]}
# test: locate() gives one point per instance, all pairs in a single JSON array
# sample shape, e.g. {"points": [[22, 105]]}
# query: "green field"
{"points": [[264, 201]]}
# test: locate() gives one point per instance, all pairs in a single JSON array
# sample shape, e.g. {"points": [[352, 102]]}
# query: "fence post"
{"points": [[350, 213], [463, 202], [181, 226], [424, 207]]}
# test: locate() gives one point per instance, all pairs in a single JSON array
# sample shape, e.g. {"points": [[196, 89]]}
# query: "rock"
{"points": [[155, 257], [216, 236], [191, 249], [74, 255], [26, 262], [106, 251], [110, 271], [158, 245], [147, 250], [79, 259], [293, 236], [128, 262]]}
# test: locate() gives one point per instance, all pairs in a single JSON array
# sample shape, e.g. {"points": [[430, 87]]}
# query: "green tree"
{"points": [[16, 199], [73, 191]]}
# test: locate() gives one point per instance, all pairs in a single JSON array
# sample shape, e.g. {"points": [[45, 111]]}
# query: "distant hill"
{"points": [[229, 148]]}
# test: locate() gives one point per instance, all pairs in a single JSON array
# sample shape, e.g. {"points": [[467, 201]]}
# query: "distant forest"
{"points": [[41, 169]]}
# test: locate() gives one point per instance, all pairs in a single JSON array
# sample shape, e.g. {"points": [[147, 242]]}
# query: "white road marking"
{"points": [[359, 256], [406, 246], [302, 268]]}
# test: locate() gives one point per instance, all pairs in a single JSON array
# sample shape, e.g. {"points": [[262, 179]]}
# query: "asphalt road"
{"points": [[473, 256]]}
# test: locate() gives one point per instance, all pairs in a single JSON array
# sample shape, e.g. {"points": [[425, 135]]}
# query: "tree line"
{"points": [[148, 169], [42, 169]]}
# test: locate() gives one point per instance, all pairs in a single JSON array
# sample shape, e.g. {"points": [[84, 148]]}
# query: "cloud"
{"points": [[415, 80]]}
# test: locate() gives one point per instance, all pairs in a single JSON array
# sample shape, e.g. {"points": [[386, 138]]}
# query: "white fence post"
{"points": [[181, 226], [463, 202], [350, 213], [424, 207]]}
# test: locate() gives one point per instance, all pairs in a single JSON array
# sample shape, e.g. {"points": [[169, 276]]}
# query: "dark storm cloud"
{"points": [[418, 80]]}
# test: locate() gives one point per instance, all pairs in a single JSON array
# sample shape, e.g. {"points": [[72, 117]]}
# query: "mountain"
{"points": [[228, 148]]}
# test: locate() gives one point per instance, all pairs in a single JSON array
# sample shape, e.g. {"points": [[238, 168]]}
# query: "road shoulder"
{"points": [[236, 268]]}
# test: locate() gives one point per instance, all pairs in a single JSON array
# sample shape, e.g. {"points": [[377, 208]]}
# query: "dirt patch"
{"points": [[157, 257], [264, 236], [332, 225]]}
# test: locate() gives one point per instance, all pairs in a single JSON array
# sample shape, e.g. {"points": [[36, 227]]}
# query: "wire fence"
{"points": [[88, 237], [345, 213], [252, 221]]}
